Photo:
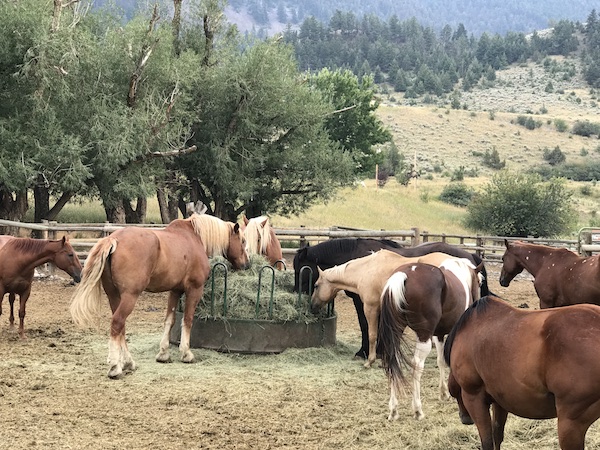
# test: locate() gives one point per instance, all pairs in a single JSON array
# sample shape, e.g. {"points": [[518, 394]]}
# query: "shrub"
{"points": [[521, 205], [492, 159], [560, 125], [456, 193], [555, 156], [586, 128]]}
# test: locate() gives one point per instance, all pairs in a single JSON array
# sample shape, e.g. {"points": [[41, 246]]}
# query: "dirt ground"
{"points": [[54, 392]]}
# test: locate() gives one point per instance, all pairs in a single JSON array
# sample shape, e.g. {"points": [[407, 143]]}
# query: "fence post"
{"points": [[416, 237], [479, 242], [302, 238]]}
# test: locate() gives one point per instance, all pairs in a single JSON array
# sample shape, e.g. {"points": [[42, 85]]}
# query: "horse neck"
{"points": [[534, 257], [342, 278], [37, 252]]}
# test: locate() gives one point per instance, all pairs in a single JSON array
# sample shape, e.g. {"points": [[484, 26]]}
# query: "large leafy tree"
{"points": [[521, 205]]}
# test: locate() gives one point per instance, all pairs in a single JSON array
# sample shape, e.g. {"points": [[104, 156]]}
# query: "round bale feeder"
{"points": [[257, 315]]}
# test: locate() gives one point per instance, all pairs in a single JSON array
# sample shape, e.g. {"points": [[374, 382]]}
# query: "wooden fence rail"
{"points": [[491, 248]]}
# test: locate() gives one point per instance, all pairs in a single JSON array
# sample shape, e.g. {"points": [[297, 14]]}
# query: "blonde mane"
{"points": [[258, 230], [214, 233]]}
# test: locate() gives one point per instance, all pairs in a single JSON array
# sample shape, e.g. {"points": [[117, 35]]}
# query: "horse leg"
{"points": [[119, 358], [363, 351], [163, 354], [479, 410], [372, 316], [22, 302], [422, 350], [192, 297], [441, 363], [11, 302], [499, 415]]}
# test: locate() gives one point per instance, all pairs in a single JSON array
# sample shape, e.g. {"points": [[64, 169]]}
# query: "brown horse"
{"points": [[536, 364], [18, 259], [366, 277], [561, 276], [429, 300], [261, 240], [133, 260]]}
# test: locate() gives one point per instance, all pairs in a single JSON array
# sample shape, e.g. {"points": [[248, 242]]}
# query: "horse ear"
{"points": [[64, 240], [245, 219], [506, 243], [264, 221], [320, 271], [236, 228]]}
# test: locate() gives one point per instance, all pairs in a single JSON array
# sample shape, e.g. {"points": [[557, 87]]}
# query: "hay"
{"points": [[242, 294]]}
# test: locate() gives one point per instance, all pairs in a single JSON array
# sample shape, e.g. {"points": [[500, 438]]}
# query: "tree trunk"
{"points": [[12, 208], [137, 215], [176, 26], [115, 214], [41, 200], [167, 204]]}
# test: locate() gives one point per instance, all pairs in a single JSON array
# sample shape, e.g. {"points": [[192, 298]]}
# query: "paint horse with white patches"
{"points": [[366, 277], [429, 300], [562, 277]]}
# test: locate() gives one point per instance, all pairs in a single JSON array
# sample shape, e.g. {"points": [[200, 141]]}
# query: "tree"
{"points": [[259, 129], [352, 122], [521, 205]]}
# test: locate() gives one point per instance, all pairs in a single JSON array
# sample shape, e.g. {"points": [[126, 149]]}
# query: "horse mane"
{"points": [[477, 306], [337, 271], [213, 231], [258, 228], [28, 245], [457, 266]]}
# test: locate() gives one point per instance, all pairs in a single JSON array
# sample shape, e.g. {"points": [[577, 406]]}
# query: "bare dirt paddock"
{"points": [[54, 392]]}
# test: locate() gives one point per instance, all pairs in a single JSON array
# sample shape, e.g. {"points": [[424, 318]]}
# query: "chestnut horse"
{"points": [[261, 240], [562, 277], [429, 300], [133, 260], [537, 364], [18, 259], [366, 277]]}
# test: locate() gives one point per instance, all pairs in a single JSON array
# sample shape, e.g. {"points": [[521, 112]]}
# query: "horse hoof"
{"points": [[129, 366], [419, 415], [163, 358], [188, 358], [115, 373], [367, 365]]}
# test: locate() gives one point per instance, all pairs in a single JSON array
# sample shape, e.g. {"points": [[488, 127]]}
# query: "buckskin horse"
{"points": [[18, 259], [366, 277], [561, 277], [429, 300], [537, 364], [334, 252], [134, 259]]}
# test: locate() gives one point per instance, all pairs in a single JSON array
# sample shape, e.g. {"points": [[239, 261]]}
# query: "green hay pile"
{"points": [[242, 292]]}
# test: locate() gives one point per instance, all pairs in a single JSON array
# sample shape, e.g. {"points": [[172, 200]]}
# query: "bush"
{"points": [[560, 125], [492, 159], [521, 205], [586, 128], [456, 193], [555, 156]]}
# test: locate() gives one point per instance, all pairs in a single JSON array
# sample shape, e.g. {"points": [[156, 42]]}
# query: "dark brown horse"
{"points": [[429, 300], [133, 260], [537, 364], [561, 276], [261, 240], [18, 259]]}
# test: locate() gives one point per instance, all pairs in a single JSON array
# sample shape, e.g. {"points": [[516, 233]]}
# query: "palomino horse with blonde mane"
{"points": [[134, 259], [537, 364], [18, 259], [367, 277], [429, 300], [261, 240], [562, 277]]}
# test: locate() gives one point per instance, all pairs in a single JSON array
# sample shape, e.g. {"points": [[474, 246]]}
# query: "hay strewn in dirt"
{"points": [[244, 301]]}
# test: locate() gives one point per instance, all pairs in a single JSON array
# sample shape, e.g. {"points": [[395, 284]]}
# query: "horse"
{"points": [[132, 260], [561, 277], [537, 364], [334, 252], [18, 259], [261, 240], [366, 277], [429, 300]]}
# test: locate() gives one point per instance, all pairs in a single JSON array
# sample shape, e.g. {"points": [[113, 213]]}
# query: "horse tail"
{"points": [[85, 303], [392, 323]]}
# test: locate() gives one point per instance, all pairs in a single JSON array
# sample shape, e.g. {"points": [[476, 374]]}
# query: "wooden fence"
{"points": [[490, 248]]}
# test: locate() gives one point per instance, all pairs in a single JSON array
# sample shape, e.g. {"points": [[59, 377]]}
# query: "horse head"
{"points": [[305, 271], [66, 259], [511, 264], [324, 292], [236, 251]]}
